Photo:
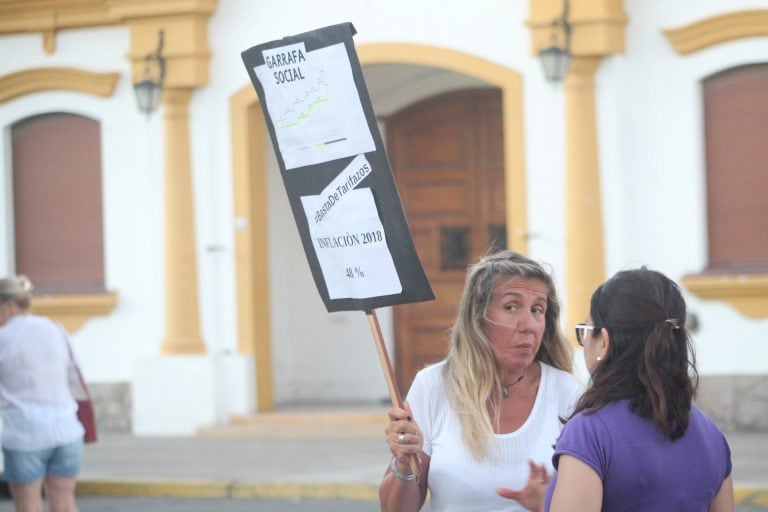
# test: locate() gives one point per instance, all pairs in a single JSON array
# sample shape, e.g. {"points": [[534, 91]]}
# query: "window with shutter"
{"points": [[736, 138], [57, 203]]}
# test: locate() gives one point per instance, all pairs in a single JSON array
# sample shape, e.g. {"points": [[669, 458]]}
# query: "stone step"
{"points": [[318, 423]]}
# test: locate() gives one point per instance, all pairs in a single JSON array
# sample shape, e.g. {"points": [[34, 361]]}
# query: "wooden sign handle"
{"points": [[389, 374]]}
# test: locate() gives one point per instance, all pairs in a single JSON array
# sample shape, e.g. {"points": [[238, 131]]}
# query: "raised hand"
{"points": [[532, 495]]}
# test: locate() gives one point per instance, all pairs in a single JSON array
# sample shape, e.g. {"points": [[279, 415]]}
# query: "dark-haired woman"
{"points": [[636, 441]]}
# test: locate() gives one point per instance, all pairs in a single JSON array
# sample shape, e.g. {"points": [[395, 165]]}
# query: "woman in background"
{"points": [[42, 438]]}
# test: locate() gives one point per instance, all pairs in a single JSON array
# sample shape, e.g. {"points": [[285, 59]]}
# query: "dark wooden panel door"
{"points": [[447, 157]]}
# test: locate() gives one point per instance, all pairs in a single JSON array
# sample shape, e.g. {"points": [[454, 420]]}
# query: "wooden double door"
{"points": [[447, 157]]}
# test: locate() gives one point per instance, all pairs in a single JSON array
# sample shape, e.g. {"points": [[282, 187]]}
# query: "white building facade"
{"points": [[206, 307]]}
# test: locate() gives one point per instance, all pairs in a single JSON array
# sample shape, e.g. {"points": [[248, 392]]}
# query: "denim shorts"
{"points": [[22, 467]]}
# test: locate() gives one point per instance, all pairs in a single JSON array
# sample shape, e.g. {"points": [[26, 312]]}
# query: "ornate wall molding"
{"points": [[186, 20], [708, 32], [73, 310], [746, 293], [30, 81], [597, 26], [20, 16]]}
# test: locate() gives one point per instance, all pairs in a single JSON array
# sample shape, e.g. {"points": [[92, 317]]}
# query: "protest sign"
{"points": [[337, 175], [336, 171]]}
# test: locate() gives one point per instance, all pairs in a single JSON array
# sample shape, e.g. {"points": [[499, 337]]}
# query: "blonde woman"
{"points": [[484, 420], [42, 438]]}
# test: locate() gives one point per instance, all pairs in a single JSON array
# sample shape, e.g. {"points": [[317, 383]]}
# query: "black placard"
{"points": [[336, 171]]}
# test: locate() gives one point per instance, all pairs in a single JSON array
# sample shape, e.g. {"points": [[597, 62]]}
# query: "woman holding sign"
{"points": [[485, 419]]}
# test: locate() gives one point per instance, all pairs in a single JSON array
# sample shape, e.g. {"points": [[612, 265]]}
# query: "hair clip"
{"points": [[673, 322]]}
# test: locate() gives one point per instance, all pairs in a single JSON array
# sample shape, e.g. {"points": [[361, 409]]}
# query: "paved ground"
{"points": [[135, 504], [115, 504], [128, 504], [299, 468], [123, 504], [286, 468]]}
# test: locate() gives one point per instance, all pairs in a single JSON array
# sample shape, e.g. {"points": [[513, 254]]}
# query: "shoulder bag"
{"points": [[85, 412]]}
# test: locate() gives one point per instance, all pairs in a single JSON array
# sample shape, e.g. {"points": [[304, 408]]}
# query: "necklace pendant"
{"points": [[504, 392]]}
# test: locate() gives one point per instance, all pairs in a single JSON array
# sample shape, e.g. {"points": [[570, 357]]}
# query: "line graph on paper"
{"points": [[301, 110], [319, 118]]}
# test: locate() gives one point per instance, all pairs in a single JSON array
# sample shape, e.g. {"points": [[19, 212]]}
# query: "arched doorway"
{"points": [[249, 165]]}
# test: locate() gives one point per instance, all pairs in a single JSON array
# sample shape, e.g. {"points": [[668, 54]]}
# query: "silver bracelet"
{"points": [[398, 474]]}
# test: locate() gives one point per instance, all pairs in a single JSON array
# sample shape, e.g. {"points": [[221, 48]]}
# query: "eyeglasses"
{"points": [[581, 332]]}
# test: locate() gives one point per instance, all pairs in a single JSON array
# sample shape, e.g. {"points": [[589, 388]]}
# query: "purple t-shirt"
{"points": [[641, 468]]}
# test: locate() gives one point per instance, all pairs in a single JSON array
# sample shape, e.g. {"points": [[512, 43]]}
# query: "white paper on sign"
{"points": [[347, 180], [349, 239], [314, 104]]}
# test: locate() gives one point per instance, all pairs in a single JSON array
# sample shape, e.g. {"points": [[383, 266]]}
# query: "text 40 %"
{"points": [[354, 272]]}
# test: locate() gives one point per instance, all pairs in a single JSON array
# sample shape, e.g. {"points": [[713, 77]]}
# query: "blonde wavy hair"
{"points": [[17, 289], [470, 374]]}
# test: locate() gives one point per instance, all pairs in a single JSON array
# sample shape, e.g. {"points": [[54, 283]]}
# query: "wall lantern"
{"points": [[150, 89], [556, 57]]}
